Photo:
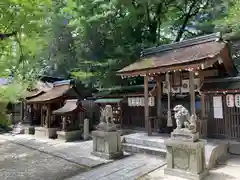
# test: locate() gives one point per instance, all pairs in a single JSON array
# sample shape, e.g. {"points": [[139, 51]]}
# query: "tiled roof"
{"points": [[70, 106], [52, 94], [185, 52], [223, 84], [40, 87], [31, 94]]}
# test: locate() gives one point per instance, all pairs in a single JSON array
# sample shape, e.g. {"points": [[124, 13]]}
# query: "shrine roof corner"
{"points": [[191, 51]]}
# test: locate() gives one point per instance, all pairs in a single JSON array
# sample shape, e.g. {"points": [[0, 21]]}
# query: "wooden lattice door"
{"points": [[232, 115]]}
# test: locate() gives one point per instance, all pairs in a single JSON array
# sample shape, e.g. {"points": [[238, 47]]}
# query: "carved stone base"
{"points": [[46, 132], [30, 130], [184, 135], [185, 174], [186, 159], [69, 135], [108, 156], [107, 144]]}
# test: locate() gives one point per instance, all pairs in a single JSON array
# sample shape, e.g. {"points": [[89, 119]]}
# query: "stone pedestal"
{"points": [[107, 145], [185, 156], [69, 135], [30, 130], [46, 132], [19, 129], [184, 135]]}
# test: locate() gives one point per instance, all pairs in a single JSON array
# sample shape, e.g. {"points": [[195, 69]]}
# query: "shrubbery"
{"points": [[11, 93]]}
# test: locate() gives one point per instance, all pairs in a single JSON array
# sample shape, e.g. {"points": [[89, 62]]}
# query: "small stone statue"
{"points": [[108, 114], [183, 119], [102, 115], [106, 119]]}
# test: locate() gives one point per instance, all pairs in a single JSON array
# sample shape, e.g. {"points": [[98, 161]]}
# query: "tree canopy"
{"points": [[21, 40], [91, 40]]}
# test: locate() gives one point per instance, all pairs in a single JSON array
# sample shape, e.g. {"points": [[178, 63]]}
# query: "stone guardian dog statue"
{"points": [[183, 119]]}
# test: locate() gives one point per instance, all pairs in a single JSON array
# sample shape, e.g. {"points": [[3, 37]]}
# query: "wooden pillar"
{"points": [[159, 97], [192, 93], [22, 111], [63, 123], [49, 116], [201, 75], [169, 119], [146, 107], [42, 116], [120, 106], [203, 123]]}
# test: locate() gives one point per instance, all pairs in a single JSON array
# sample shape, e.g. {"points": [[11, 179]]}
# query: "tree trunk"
{"points": [[182, 29], [188, 15]]}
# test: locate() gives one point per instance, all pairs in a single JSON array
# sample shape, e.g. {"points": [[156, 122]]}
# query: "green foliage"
{"points": [[230, 22], [19, 54], [95, 38], [4, 121], [111, 34]]}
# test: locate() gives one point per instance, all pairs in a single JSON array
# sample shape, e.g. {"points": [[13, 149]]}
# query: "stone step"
{"points": [[234, 148], [135, 148], [214, 152], [145, 142]]}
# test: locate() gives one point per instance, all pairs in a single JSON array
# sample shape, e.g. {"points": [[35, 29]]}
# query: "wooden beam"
{"points": [[146, 106], [172, 68], [185, 74], [192, 93]]}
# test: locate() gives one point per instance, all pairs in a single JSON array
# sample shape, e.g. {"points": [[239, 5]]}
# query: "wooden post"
{"points": [[121, 114], [169, 119], [201, 75], [146, 106], [192, 93], [22, 111], [42, 116], [203, 123], [159, 97], [64, 123], [49, 116]]}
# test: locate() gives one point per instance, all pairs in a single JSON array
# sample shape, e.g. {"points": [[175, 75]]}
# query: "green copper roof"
{"points": [[108, 100]]}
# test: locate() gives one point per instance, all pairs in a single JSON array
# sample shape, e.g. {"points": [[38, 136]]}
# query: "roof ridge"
{"points": [[184, 43]]}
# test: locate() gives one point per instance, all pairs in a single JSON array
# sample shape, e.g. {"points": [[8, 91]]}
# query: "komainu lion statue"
{"points": [[106, 119], [183, 119], [107, 114]]}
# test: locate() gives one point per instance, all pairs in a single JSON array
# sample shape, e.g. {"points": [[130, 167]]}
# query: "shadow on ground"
{"points": [[21, 163]]}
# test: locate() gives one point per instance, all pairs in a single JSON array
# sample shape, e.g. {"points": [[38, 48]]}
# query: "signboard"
{"points": [[139, 101], [230, 100], [217, 107], [237, 100]]}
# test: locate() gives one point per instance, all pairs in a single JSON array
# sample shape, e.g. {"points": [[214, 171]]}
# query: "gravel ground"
{"points": [[20, 163]]}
